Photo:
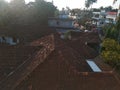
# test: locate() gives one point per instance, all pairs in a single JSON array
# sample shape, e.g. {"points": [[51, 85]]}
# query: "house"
{"points": [[64, 20], [99, 18], [111, 17], [61, 22], [58, 66], [11, 57]]}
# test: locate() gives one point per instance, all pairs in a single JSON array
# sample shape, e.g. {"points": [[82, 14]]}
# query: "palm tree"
{"points": [[88, 3], [114, 1]]}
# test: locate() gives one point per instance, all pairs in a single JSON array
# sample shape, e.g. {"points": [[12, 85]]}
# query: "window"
{"points": [[93, 66]]}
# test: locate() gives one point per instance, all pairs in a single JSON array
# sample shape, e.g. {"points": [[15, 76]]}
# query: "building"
{"points": [[99, 18], [56, 65], [64, 20], [61, 22], [111, 17]]}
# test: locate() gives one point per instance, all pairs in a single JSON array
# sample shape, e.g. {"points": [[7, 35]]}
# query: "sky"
{"points": [[80, 3]]}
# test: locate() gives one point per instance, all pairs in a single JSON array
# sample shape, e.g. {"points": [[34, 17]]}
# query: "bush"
{"points": [[111, 52]]}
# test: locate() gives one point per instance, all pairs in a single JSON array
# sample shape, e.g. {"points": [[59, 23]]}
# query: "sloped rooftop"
{"points": [[58, 66], [11, 59], [66, 69], [12, 56], [89, 37], [57, 73]]}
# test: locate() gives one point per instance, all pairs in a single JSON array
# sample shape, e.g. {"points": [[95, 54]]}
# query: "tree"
{"points": [[114, 1], [111, 43], [109, 8], [75, 11], [88, 3], [4, 9], [17, 10], [111, 52], [118, 28], [18, 2], [18, 13], [112, 31], [43, 11], [101, 8]]}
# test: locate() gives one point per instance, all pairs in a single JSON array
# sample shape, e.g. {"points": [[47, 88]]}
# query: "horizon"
{"points": [[78, 4]]}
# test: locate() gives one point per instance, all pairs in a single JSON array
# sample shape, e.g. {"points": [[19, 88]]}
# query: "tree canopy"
{"points": [[17, 12], [111, 52], [88, 3]]}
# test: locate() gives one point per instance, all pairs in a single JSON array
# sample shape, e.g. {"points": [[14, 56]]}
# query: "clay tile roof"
{"points": [[12, 58], [66, 69], [58, 66], [90, 37], [59, 72], [83, 49], [111, 13]]}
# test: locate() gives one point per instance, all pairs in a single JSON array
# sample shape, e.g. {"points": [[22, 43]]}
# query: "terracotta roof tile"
{"points": [[112, 13], [12, 57], [64, 68], [90, 37], [56, 73]]}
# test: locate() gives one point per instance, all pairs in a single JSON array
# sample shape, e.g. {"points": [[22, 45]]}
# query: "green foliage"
{"points": [[112, 31], [118, 28], [19, 13], [3, 13], [44, 10], [56, 13], [109, 44], [109, 8], [111, 52], [88, 3]]}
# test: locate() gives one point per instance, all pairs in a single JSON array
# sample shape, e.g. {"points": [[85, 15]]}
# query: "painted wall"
{"points": [[61, 23]]}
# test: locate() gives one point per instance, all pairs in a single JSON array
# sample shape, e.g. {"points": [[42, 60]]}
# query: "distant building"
{"points": [[111, 16], [99, 18], [61, 22], [9, 40]]}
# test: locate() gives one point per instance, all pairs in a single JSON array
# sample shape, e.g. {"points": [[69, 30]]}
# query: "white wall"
{"points": [[111, 17], [61, 23]]}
